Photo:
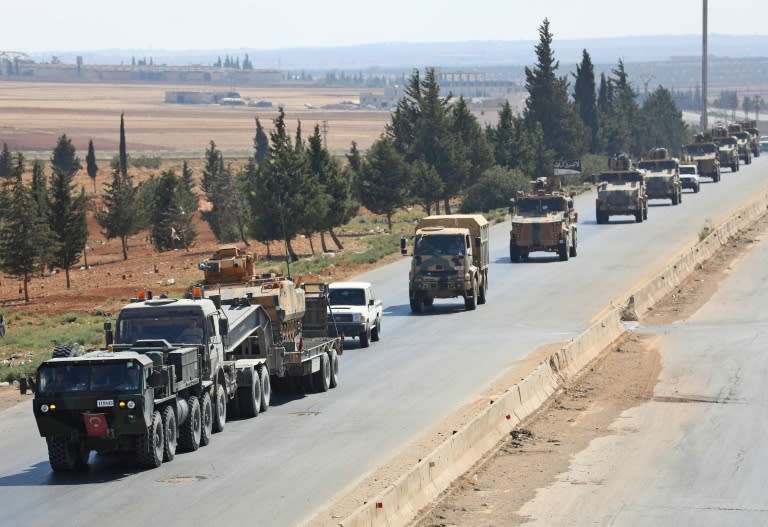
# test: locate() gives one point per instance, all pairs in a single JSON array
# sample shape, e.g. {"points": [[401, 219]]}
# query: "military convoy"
{"points": [[173, 369], [621, 191], [450, 259], [662, 176], [543, 220]]}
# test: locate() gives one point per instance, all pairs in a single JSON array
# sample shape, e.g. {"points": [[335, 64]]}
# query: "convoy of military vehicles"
{"points": [[173, 369]]}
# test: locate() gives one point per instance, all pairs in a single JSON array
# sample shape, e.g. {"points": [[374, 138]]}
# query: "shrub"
{"points": [[494, 190]]}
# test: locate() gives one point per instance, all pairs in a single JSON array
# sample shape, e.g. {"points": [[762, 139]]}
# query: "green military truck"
{"points": [[172, 371], [621, 191], [662, 177], [543, 220], [450, 259]]}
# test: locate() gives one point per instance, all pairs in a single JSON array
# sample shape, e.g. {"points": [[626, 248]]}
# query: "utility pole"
{"points": [[704, 60], [324, 129]]}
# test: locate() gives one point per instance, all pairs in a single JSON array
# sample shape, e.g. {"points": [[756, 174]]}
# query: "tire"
{"points": [[639, 216], [150, 445], [574, 248], [599, 218], [470, 301], [321, 379], [417, 303], [63, 350], [514, 253], [219, 408], [191, 429], [482, 293], [206, 414], [376, 331], [645, 212], [675, 199], [365, 338], [334, 368], [266, 388], [428, 301], [66, 456], [563, 252], [170, 434], [696, 189], [249, 395]]}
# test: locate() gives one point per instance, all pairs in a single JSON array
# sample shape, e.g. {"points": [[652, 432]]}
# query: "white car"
{"points": [[689, 177], [355, 311]]}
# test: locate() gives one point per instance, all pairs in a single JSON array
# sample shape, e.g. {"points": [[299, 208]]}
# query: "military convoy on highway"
{"points": [[173, 369]]}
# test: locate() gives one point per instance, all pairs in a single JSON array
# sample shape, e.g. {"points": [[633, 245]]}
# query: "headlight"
{"points": [[44, 408], [131, 405]]}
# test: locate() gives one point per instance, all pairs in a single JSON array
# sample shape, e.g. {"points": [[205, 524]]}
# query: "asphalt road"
{"points": [[281, 467], [695, 454]]}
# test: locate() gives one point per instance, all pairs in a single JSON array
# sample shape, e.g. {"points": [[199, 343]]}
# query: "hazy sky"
{"points": [[46, 25]]}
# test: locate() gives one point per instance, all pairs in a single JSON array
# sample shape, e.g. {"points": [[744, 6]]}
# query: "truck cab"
{"points": [[354, 311]]}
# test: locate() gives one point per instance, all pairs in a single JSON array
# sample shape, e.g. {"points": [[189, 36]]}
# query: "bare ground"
{"points": [[623, 376]]}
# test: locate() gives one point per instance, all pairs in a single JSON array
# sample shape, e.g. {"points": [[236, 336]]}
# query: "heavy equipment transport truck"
{"points": [[450, 259], [174, 368]]}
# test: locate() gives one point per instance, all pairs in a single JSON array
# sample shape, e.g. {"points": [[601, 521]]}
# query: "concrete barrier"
{"points": [[401, 502]]}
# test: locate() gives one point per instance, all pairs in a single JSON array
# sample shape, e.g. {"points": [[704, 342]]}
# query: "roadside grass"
{"points": [[31, 337]]}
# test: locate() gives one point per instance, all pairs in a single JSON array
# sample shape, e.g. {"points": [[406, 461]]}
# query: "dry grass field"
{"points": [[34, 114]]}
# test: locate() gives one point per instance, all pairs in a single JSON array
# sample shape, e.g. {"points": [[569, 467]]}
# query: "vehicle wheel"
{"points": [[599, 218], [524, 256], [365, 338], [428, 301], [219, 408], [170, 433], [150, 445], [206, 414], [321, 379], [696, 189], [470, 301], [675, 199], [573, 251], [376, 331], [249, 394], [190, 430], [417, 304], [334, 368], [514, 253], [680, 196], [639, 216], [482, 293], [63, 350], [645, 212], [563, 252], [65, 456], [266, 388]]}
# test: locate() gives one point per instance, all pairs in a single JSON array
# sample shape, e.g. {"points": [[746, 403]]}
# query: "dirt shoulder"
{"points": [[622, 376]]}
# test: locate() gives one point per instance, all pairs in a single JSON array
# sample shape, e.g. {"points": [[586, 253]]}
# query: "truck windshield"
{"points": [[185, 329], [112, 376], [430, 244], [540, 206], [346, 297]]}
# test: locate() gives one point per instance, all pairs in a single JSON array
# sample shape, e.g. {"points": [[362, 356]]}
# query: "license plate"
{"points": [[104, 403]]}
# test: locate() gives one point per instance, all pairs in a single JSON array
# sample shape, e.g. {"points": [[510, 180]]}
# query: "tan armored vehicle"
{"points": [[703, 153], [621, 191], [727, 148], [450, 259], [754, 134], [228, 265], [543, 220], [744, 141], [662, 178]]}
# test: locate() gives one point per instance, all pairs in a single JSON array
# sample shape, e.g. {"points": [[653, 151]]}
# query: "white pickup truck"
{"points": [[355, 311]]}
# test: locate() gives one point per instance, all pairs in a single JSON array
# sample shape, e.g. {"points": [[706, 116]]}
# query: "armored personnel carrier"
{"points": [[543, 220], [754, 134], [744, 141], [662, 178], [621, 191], [703, 153], [727, 147]]}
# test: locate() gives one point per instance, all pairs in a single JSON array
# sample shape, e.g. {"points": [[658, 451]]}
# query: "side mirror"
{"points": [[109, 336], [403, 245], [223, 326], [370, 302]]}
